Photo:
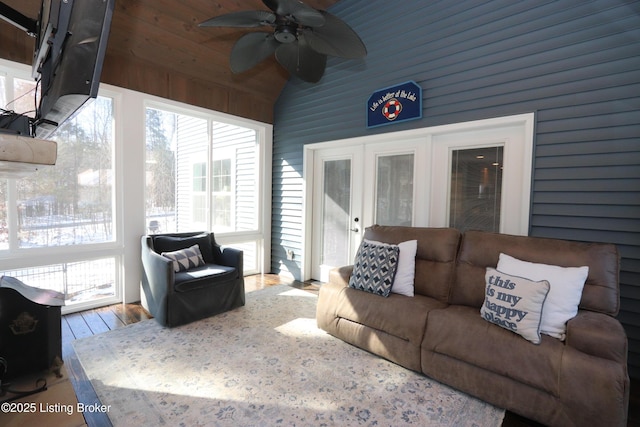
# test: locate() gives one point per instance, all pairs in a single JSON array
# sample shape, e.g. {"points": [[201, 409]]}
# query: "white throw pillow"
{"points": [[403, 283], [514, 303], [185, 259], [564, 295]]}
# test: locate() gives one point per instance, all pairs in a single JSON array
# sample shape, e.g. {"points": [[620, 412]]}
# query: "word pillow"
{"points": [[403, 283], [514, 303], [375, 268], [185, 259], [564, 295]]}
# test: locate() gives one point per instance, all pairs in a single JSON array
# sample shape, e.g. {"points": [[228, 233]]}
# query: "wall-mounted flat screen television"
{"points": [[71, 42]]}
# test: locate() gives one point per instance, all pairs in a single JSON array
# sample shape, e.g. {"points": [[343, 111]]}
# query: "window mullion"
{"points": [[209, 184]]}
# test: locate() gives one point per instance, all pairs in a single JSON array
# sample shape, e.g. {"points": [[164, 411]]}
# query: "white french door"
{"points": [[355, 187], [471, 175], [336, 208]]}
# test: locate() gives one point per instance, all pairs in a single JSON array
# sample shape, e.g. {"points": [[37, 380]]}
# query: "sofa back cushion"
{"points": [[171, 242], [480, 250], [435, 256]]}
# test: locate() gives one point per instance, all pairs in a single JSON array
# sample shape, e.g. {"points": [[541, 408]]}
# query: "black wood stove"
{"points": [[30, 329]]}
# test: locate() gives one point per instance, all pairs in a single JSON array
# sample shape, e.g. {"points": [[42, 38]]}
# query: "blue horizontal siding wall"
{"points": [[576, 64]]}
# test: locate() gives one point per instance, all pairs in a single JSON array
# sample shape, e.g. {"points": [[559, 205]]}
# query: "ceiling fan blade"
{"points": [[335, 38], [296, 10], [243, 19], [251, 49], [302, 61]]}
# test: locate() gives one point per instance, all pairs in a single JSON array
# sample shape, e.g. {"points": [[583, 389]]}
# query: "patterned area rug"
{"points": [[264, 364]]}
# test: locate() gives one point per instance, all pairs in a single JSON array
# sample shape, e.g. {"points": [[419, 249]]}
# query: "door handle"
{"points": [[355, 230]]}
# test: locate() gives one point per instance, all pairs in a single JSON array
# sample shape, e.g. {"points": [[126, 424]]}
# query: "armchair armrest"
{"points": [[597, 334], [232, 258], [157, 272]]}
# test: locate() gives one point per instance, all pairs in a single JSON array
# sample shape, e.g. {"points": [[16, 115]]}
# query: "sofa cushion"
{"points": [[514, 303], [564, 295], [458, 332], [375, 268], [397, 315], [170, 243], [203, 276], [435, 255], [480, 249], [185, 259]]}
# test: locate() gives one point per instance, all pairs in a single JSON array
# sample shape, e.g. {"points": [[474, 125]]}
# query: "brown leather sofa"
{"points": [[439, 332]]}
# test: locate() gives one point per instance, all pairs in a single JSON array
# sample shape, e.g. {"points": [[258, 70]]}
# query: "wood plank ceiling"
{"points": [[156, 47]]}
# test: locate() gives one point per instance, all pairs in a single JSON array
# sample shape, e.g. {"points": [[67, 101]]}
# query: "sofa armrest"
{"points": [[597, 334], [329, 295], [341, 275]]}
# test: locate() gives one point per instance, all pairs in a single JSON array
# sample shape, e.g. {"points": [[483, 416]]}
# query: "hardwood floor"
{"points": [[91, 322]]}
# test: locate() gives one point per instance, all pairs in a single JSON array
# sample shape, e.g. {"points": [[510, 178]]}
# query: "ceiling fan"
{"points": [[301, 40]]}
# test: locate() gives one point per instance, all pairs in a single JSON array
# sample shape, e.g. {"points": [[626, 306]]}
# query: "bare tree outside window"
{"points": [[72, 202], [161, 170]]}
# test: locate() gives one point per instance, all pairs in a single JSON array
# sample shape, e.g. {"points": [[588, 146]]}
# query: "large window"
{"points": [[69, 206], [203, 175], [74, 227], [72, 203]]}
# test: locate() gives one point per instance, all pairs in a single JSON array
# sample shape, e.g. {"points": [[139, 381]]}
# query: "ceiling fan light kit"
{"points": [[301, 40]]}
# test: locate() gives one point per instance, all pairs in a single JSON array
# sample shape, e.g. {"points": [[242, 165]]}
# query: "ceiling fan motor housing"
{"points": [[286, 33]]}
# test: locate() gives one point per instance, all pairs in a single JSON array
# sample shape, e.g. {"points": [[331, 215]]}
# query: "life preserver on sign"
{"points": [[392, 109]]}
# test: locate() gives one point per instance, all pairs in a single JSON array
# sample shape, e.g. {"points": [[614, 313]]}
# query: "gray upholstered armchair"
{"points": [[203, 281]]}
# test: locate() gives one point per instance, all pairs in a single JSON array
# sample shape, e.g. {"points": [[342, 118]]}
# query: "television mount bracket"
{"points": [[17, 19]]}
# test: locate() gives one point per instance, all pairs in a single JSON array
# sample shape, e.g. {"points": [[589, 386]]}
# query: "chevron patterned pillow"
{"points": [[374, 268], [185, 259]]}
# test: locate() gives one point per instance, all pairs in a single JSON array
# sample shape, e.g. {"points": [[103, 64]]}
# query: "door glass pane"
{"points": [[394, 190], [476, 189], [336, 212]]}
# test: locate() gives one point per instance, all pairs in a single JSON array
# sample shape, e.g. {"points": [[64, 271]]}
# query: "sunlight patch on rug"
{"points": [[267, 364], [302, 328]]}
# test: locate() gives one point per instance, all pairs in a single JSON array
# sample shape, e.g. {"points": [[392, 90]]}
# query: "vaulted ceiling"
{"points": [[156, 47]]}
